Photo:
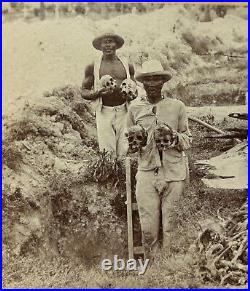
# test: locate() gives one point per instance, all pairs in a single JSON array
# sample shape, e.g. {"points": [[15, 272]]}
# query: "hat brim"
{"points": [[165, 75], [98, 40]]}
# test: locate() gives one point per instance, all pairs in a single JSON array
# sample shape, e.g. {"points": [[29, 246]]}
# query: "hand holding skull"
{"points": [[165, 137], [107, 85], [137, 138]]}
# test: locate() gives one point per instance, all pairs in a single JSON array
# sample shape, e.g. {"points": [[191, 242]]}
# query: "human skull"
{"points": [[129, 89], [108, 82], [137, 138], [163, 135]]}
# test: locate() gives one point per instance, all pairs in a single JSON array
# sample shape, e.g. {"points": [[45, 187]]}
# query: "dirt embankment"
{"points": [[59, 198], [50, 202], [64, 217]]}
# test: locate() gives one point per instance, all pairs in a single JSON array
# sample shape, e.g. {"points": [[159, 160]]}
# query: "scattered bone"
{"points": [[226, 255]]}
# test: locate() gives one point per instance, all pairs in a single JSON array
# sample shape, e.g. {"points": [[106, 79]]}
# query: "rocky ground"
{"points": [[62, 210]]}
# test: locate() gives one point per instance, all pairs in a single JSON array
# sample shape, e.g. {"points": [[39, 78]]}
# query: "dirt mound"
{"points": [[50, 203]]}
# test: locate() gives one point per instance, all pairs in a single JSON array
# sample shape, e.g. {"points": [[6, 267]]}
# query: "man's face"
{"points": [[153, 85], [108, 46]]}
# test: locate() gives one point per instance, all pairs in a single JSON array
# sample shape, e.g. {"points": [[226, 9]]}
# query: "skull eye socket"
{"points": [[158, 141], [166, 140], [130, 138], [139, 137]]}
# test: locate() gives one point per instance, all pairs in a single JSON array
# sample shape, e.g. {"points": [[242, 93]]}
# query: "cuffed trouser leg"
{"points": [[169, 207], [149, 209]]}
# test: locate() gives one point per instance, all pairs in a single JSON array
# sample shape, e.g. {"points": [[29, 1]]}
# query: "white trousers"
{"points": [[154, 196], [111, 124]]}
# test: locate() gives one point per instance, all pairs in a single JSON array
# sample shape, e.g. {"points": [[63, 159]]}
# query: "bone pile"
{"points": [[225, 255]]}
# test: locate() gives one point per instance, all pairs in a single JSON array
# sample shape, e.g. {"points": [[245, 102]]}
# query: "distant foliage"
{"points": [[41, 9]]}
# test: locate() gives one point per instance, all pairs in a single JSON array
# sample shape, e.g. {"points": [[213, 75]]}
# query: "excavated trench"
{"points": [[52, 204]]}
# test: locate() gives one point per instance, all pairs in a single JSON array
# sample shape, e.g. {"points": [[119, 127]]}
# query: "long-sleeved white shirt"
{"points": [[173, 113]]}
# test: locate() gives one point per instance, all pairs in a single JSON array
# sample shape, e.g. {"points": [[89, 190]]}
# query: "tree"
{"points": [[42, 11]]}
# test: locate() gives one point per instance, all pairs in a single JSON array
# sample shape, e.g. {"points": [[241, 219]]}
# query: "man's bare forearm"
{"points": [[89, 94]]}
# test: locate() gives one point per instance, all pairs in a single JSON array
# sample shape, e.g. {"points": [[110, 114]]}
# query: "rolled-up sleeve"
{"points": [[184, 134]]}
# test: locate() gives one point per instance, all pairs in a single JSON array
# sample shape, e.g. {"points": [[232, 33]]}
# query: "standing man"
{"points": [[162, 166], [109, 104]]}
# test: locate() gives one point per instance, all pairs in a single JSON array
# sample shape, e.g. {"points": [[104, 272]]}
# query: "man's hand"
{"points": [[165, 137], [107, 85], [174, 139], [104, 92]]}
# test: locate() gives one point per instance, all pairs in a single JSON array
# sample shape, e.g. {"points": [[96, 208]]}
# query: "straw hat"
{"points": [[153, 68], [98, 40]]}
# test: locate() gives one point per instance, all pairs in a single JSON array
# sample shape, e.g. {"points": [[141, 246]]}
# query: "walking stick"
{"points": [[129, 209]]}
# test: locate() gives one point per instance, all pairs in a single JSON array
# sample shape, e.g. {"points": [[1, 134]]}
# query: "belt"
{"points": [[115, 108]]}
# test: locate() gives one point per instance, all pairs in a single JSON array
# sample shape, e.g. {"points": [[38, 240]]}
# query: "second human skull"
{"points": [[129, 89], [163, 136]]}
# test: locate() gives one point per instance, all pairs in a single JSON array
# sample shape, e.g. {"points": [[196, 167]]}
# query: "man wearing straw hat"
{"points": [[109, 104], [161, 170]]}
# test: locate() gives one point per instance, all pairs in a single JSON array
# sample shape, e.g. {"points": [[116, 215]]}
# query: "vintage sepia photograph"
{"points": [[124, 145]]}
